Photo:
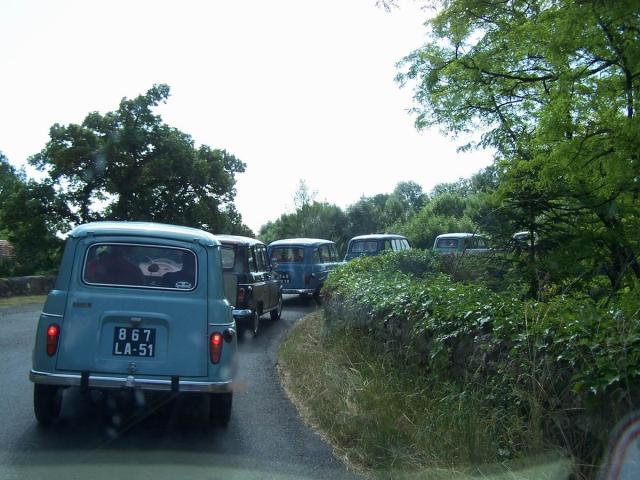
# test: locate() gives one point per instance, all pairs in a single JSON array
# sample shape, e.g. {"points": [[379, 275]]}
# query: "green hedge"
{"points": [[571, 364]]}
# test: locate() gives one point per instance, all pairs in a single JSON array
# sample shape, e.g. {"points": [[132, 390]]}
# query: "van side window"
{"points": [[261, 263], [256, 253], [251, 260], [263, 256], [387, 245], [228, 255], [334, 253], [316, 255], [325, 254]]}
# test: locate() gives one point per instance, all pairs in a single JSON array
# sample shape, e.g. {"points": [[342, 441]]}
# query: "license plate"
{"points": [[284, 278], [134, 342]]}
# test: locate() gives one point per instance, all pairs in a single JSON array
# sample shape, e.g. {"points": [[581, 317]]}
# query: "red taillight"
{"points": [[241, 296], [215, 347], [53, 332]]}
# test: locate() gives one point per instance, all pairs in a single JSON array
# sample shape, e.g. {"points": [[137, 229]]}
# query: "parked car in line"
{"points": [[375, 244], [250, 283], [303, 263], [460, 242], [136, 306]]}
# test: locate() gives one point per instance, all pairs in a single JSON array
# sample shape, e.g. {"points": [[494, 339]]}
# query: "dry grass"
{"points": [[385, 419], [22, 300]]}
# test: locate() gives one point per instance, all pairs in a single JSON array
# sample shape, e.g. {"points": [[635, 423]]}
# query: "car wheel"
{"points": [[277, 313], [220, 408], [255, 324], [47, 403], [317, 297]]}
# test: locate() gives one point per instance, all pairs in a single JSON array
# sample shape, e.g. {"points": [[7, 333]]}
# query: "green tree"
{"points": [[31, 215], [554, 87], [9, 180], [411, 196], [384, 211], [312, 220], [129, 165], [445, 212], [367, 215]]}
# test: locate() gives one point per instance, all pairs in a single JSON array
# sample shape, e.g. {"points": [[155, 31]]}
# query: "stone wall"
{"points": [[33, 285]]}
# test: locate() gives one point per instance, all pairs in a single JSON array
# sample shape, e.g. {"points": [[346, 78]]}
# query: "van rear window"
{"points": [[287, 254], [228, 254], [364, 246], [447, 243], [131, 265]]}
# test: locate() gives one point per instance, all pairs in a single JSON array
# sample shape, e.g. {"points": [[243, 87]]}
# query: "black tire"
{"points": [[47, 403], [220, 408], [254, 324], [317, 297], [277, 313]]}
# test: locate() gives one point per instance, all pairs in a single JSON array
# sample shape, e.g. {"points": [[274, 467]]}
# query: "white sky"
{"points": [[295, 89]]}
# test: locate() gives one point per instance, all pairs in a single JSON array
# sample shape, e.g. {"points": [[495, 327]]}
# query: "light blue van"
{"points": [[457, 243], [374, 244], [303, 263], [136, 306]]}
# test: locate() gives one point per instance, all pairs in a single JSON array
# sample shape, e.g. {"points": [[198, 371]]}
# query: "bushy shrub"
{"points": [[573, 365]]}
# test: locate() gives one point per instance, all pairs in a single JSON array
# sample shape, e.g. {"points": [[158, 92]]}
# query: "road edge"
{"points": [[285, 378]]}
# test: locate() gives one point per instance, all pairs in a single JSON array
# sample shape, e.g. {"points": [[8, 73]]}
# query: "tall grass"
{"points": [[382, 413]]}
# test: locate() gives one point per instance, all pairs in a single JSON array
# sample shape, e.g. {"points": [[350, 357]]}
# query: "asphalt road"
{"points": [[98, 437]]}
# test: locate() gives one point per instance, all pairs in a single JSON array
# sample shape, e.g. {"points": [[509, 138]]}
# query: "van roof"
{"points": [[299, 241], [459, 235], [378, 236], [147, 229], [238, 239]]}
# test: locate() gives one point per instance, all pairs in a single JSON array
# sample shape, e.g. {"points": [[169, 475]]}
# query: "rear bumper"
{"points": [[242, 313], [130, 381], [299, 291]]}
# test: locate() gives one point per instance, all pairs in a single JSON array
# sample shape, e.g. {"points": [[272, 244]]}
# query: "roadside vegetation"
{"points": [[419, 369], [540, 338], [22, 300], [387, 419]]}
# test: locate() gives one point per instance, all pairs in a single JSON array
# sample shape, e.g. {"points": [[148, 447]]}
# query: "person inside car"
{"points": [[183, 278], [112, 267]]}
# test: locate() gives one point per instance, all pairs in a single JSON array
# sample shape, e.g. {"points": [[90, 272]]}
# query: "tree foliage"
{"points": [[554, 86], [324, 220], [129, 165], [563, 371], [312, 220], [451, 207], [31, 214]]}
